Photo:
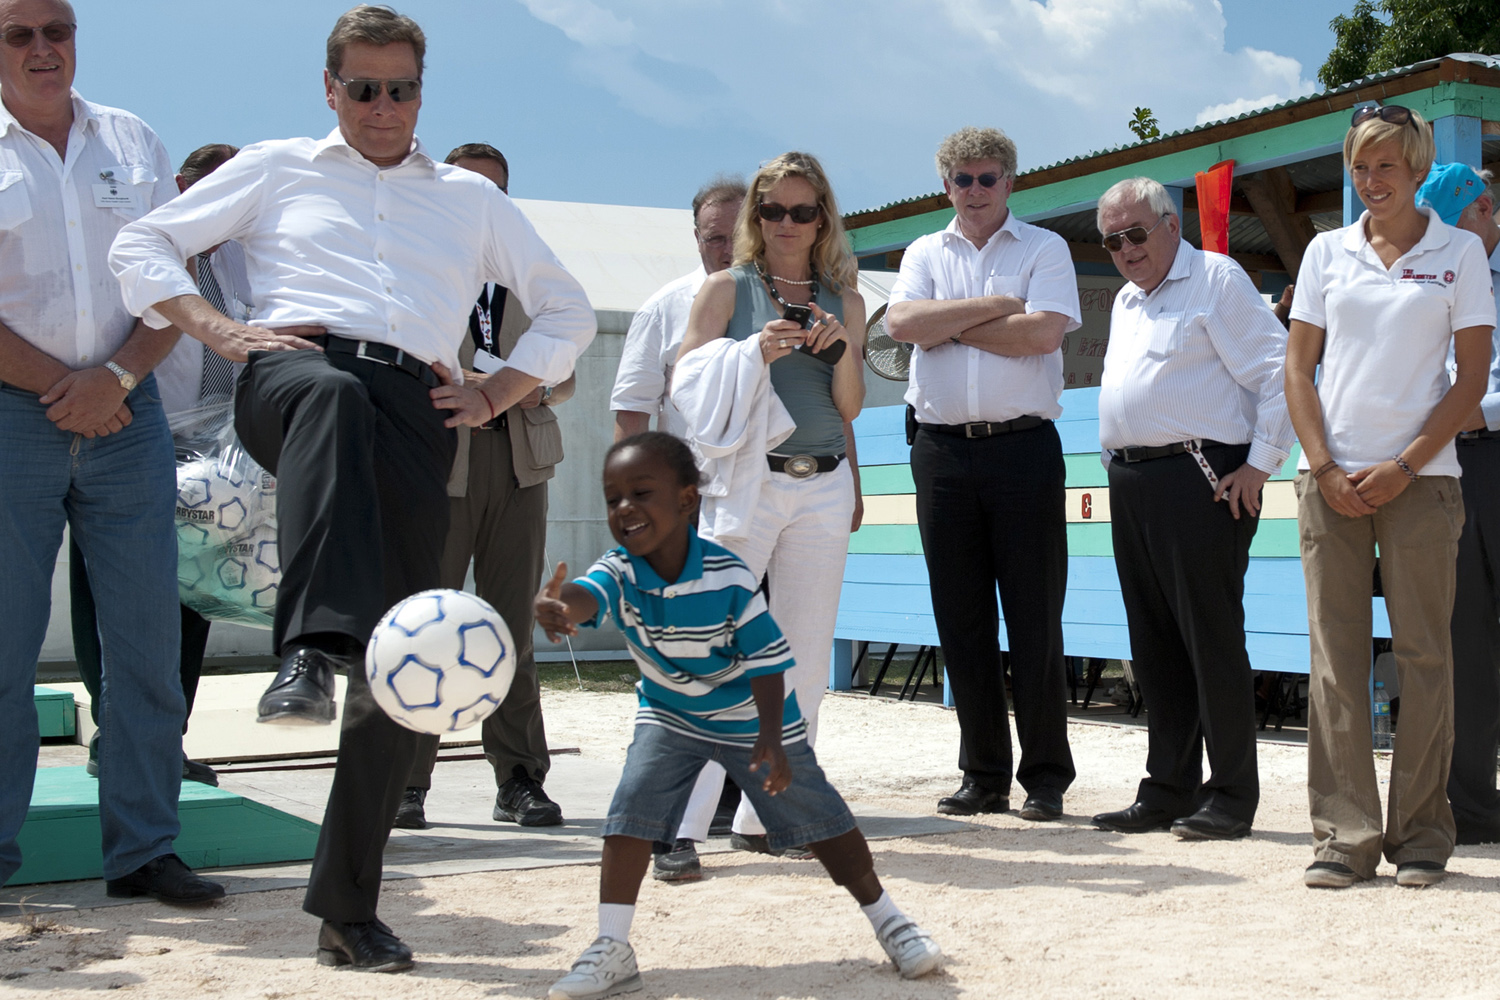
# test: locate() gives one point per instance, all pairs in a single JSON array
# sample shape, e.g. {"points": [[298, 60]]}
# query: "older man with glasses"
{"points": [[987, 302], [1193, 419]]}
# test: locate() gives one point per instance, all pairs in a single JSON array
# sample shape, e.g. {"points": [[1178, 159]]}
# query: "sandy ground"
{"points": [[1040, 910]]}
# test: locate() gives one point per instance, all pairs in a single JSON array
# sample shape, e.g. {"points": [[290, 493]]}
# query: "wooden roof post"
{"points": [[1458, 139]]}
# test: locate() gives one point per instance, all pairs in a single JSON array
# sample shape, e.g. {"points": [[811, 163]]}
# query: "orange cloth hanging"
{"points": [[1214, 186]]}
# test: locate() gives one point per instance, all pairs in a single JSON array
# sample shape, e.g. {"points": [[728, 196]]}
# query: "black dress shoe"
{"points": [[521, 800], [971, 799], [411, 814], [1042, 804], [165, 878], [192, 770], [1139, 818], [368, 947], [1209, 823], [302, 691]]}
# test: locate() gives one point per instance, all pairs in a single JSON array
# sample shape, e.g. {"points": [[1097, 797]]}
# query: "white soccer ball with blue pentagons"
{"points": [[440, 661], [222, 499]]}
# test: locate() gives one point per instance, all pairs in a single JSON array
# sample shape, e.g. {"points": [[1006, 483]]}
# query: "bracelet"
{"points": [[1330, 464], [485, 396], [1401, 464]]}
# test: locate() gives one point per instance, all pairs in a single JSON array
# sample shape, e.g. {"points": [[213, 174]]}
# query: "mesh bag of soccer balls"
{"points": [[227, 566]]}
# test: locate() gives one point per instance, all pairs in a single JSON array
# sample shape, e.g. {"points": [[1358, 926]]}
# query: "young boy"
{"points": [[711, 660]]}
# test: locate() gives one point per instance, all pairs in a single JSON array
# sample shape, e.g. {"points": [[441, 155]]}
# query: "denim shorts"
{"points": [[662, 766]]}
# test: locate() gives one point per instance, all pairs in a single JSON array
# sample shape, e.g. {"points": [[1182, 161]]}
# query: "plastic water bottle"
{"points": [[1381, 717]]}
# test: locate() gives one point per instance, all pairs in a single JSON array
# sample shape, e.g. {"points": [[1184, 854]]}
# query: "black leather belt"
{"points": [[984, 429], [802, 466], [1134, 454], [383, 354], [1483, 434], [500, 423]]}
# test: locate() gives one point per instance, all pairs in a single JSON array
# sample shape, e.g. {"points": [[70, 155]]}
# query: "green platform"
{"points": [[55, 714], [60, 838]]}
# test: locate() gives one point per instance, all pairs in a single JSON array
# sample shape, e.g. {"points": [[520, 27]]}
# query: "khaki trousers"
{"points": [[1417, 534]]}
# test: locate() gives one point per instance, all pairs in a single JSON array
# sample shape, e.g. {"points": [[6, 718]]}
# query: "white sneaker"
{"points": [[605, 968], [909, 946]]}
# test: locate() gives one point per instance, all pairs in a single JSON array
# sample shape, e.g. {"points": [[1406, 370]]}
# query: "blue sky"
{"points": [[638, 101]]}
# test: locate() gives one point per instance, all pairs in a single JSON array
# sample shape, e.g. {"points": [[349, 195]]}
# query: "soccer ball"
{"points": [[222, 498], [440, 661]]}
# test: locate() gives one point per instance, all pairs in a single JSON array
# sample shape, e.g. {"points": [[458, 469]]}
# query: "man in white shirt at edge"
{"points": [[365, 255], [987, 302], [86, 445], [1192, 408], [643, 382]]}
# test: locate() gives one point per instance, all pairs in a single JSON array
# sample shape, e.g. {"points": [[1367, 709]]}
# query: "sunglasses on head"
{"points": [[57, 32], [985, 180], [1135, 234], [1393, 113], [801, 214], [365, 91]]}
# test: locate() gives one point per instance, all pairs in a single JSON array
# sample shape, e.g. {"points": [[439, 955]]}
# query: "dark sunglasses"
{"points": [[57, 32], [801, 214], [1135, 234], [365, 91], [985, 180], [1393, 113]]}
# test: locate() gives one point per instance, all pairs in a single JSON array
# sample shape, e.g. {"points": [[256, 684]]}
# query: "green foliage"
{"points": [[1379, 35], [1144, 125]]}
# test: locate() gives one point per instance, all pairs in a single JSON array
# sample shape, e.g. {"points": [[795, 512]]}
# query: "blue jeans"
{"points": [[116, 493]]}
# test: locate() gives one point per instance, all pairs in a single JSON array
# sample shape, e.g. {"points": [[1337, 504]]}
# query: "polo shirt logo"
{"points": [[1448, 277], [1407, 274]]}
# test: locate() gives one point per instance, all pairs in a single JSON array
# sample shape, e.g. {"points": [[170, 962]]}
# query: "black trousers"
{"points": [[87, 651], [1182, 560], [1476, 641], [361, 458], [992, 512]]}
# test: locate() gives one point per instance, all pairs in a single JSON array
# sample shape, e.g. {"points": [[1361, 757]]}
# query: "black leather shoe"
{"points": [[167, 879], [1139, 818], [1209, 823], [521, 800], [971, 799], [302, 691], [411, 814], [192, 770], [368, 947], [1042, 804]]}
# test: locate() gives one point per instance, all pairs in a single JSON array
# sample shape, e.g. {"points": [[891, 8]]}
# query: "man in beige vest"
{"points": [[498, 493]]}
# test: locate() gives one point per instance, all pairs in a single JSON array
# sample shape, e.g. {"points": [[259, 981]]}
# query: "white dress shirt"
{"points": [[1386, 335], [956, 384], [395, 255], [1200, 356], [179, 377], [643, 383], [57, 219]]}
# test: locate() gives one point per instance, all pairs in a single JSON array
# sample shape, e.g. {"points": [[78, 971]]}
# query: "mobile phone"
{"points": [[802, 316]]}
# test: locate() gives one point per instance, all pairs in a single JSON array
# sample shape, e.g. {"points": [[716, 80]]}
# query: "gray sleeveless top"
{"points": [[803, 384]]}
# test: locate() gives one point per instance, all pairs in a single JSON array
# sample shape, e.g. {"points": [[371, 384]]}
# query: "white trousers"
{"points": [[800, 540]]}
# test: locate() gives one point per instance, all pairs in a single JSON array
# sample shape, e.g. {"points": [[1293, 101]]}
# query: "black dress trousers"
{"points": [[992, 512], [1182, 560], [1476, 643], [361, 458]]}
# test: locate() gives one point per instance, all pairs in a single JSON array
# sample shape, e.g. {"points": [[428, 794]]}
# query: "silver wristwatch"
{"points": [[128, 381]]}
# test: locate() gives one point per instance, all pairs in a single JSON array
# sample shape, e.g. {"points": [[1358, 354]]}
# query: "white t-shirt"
{"points": [[643, 383], [1387, 333]]}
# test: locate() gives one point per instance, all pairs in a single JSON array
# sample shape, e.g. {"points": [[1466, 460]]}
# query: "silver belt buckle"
{"points": [[801, 466], [360, 352], [970, 428]]}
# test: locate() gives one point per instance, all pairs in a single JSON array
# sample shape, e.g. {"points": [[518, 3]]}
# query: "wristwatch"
{"points": [[546, 393], [127, 381]]}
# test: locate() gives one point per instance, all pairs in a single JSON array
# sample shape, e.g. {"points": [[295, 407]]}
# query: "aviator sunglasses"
{"points": [[801, 214], [985, 180], [1393, 113], [365, 91], [57, 32], [1135, 234]]}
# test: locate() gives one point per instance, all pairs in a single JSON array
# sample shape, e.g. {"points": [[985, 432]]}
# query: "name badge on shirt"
{"points": [[111, 193], [487, 363]]}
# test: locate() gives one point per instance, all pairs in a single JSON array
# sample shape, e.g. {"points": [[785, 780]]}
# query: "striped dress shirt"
{"points": [[698, 642], [1200, 356]]}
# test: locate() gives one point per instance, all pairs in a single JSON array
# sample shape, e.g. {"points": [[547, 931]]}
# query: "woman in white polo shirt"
{"points": [[1377, 304]]}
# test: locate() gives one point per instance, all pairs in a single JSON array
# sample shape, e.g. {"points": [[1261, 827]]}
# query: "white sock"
{"points": [[614, 921], [882, 910]]}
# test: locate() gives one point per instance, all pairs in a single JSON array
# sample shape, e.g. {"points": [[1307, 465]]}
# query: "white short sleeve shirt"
{"points": [[643, 383], [1387, 333], [956, 384]]}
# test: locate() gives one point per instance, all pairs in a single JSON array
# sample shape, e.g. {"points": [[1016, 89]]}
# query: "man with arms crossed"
{"points": [[365, 255], [1192, 407], [987, 302]]}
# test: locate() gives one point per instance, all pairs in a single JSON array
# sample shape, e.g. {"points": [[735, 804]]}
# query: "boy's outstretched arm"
{"points": [[560, 604], [769, 690]]}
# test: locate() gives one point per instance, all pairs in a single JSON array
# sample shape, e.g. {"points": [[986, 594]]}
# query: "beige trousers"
{"points": [[1417, 534]]}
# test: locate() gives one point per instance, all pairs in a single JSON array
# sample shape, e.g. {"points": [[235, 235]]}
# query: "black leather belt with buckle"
{"points": [[1483, 434], [1134, 454], [500, 423], [984, 429], [383, 354], [802, 466]]}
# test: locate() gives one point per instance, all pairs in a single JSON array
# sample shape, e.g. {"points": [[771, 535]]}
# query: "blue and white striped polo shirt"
{"points": [[698, 642]]}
